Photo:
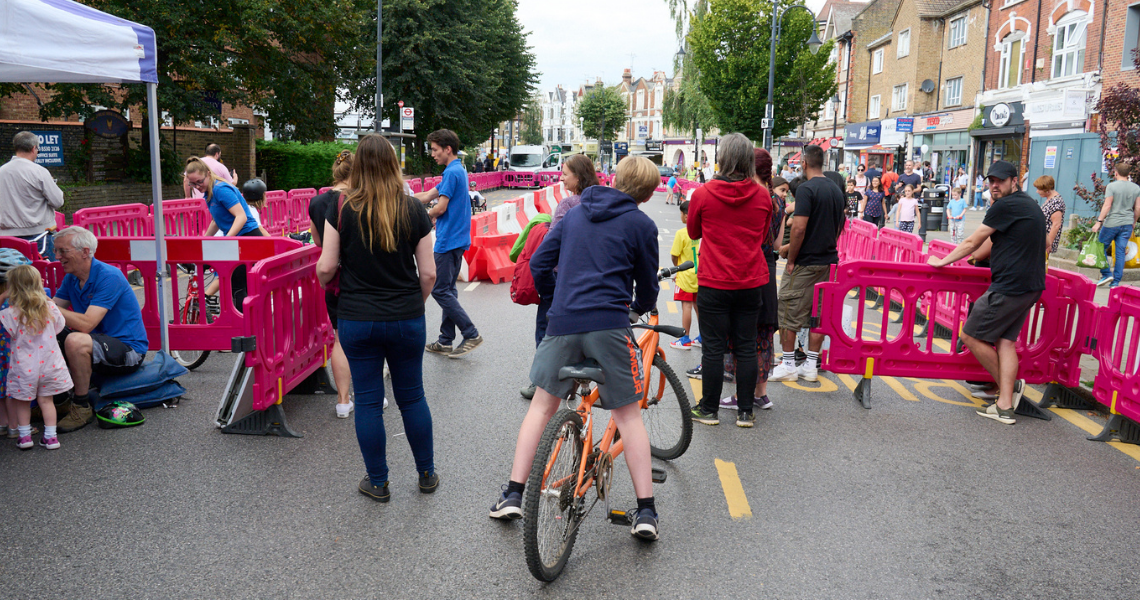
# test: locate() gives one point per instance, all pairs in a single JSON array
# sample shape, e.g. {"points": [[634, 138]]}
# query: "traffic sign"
{"points": [[400, 104], [766, 123], [408, 112]]}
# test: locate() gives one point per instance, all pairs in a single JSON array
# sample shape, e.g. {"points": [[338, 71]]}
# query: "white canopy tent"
{"points": [[87, 46]]}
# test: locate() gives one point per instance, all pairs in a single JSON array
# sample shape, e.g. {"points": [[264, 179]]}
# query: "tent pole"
{"points": [[156, 194]]}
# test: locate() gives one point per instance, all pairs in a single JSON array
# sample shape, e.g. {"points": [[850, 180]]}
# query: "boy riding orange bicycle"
{"points": [[600, 249]]}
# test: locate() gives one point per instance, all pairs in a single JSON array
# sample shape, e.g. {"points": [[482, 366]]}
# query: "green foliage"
{"points": [[138, 161], [531, 126], [687, 107], [1076, 236], [730, 48], [603, 113], [463, 65], [293, 165]]}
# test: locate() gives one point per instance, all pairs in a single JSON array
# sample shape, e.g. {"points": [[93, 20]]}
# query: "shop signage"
{"points": [[1067, 107], [889, 134], [904, 124], [863, 134], [1003, 114], [108, 124], [51, 148], [1050, 157], [1000, 115]]}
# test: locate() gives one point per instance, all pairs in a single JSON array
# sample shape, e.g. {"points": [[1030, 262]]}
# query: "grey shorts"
{"points": [[616, 350], [999, 316]]}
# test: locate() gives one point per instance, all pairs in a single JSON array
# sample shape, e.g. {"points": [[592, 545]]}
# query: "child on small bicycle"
{"points": [[600, 249]]}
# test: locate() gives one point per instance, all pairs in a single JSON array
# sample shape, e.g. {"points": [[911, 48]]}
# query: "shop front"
{"points": [[1001, 136], [943, 140], [1061, 146], [862, 146]]}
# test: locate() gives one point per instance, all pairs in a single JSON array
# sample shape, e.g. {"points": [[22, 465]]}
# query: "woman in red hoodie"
{"points": [[731, 216]]}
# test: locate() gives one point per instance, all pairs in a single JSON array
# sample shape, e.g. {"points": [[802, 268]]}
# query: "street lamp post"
{"points": [[813, 43], [834, 123], [379, 64]]}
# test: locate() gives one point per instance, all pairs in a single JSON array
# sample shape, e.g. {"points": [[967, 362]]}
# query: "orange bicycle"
{"points": [[568, 462]]}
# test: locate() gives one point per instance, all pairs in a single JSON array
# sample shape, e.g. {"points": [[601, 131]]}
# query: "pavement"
{"points": [[916, 498]]}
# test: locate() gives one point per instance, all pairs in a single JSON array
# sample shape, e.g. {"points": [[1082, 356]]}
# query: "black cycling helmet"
{"points": [[253, 190], [119, 414]]}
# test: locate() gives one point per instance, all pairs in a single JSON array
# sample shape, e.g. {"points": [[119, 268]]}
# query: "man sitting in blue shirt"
{"points": [[452, 239], [105, 331]]}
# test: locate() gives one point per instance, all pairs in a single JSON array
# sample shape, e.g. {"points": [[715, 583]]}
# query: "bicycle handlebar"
{"points": [[670, 330], [668, 272]]}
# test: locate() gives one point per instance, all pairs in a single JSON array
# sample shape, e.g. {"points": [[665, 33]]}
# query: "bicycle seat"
{"points": [[587, 369]]}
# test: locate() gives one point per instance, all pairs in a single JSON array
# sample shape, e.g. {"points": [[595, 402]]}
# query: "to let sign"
{"points": [[51, 148]]}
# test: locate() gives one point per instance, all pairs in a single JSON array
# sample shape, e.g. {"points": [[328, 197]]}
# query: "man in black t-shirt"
{"points": [[816, 224], [1016, 227]]}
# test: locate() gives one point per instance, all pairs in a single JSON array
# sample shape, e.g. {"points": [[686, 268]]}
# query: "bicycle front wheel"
{"points": [[550, 505], [667, 418], [192, 359]]}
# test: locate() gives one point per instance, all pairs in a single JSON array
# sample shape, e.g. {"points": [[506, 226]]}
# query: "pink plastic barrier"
{"points": [[431, 182], [187, 217], [25, 247], [285, 312], [275, 214], [323, 190], [60, 220], [858, 241], [547, 178], [119, 220], [298, 209], [898, 246], [1117, 383], [223, 255], [942, 248], [517, 179], [416, 184], [494, 179], [884, 349]]}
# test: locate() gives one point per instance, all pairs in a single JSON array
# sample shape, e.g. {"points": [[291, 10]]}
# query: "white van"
{"points": [[527, 158]]}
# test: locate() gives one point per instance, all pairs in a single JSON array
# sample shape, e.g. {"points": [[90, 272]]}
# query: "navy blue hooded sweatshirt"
{"points": [[601, 247]]}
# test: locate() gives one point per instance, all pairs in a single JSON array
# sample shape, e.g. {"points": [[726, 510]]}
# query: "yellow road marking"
{"points": [[847, 381], [698, 391], [665, 285], [924, 387], [826, 386], [733, 490], [672, 306], [899, 388], [1088, 425]]}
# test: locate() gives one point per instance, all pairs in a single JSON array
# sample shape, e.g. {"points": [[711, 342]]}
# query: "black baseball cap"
{"points": [[1002, 169]]}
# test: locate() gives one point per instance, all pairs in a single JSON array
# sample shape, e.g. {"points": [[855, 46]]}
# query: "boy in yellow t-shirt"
{"points": [[684, 248]]}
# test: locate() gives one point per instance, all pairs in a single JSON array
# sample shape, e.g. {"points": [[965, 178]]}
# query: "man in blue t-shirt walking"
{"points": [[452, 239]]}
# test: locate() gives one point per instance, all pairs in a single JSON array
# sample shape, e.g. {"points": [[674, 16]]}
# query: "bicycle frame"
{"points": [[649, 344]]}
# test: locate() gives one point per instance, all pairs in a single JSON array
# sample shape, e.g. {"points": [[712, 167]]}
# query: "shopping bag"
{"points": [[1132, 253], [1092, 254]]}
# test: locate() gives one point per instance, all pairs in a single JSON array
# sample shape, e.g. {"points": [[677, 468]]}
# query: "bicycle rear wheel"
{"points": [[667, 418], [550, 508], [192, 359]]}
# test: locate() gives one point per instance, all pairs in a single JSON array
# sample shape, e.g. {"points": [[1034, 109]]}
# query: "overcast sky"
{"points": [[581, 40]]}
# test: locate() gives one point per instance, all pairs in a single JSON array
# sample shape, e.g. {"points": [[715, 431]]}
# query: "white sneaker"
{"points": [[343, 410], [808, 373], [783, 373]]}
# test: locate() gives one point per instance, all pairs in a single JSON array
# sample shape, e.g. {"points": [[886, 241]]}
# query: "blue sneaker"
{"points": [[645, 525], [682, 343], [697, 342], [509, 506]]}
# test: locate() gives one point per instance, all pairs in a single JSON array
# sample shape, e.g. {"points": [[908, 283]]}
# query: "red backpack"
{"points": [[522, 286]]}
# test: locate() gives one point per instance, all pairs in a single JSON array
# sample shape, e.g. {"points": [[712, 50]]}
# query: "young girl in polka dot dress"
{"points": [[36, 369]]}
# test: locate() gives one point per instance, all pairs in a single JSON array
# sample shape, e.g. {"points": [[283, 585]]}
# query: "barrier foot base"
{"points": [[1063, 397], [317, 383], [265, 422], [1120, 429], [863, 393], [1029, 408]]}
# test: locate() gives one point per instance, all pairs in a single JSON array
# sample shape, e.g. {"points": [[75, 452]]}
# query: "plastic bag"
{"points": [[1132, 253], [1092, 254]]}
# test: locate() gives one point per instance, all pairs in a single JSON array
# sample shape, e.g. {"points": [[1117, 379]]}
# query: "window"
{"points": [[829, 111], [873, 107], [898, 97], [1131, 37], [640, 99], [1069, 44], [1011, 48], [954, 91], [877, 61], [846, 56], [957, 31], [904, 43]]}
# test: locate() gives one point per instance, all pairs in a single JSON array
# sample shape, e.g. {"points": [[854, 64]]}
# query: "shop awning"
{"points": [[997, 132], [794, 158]]}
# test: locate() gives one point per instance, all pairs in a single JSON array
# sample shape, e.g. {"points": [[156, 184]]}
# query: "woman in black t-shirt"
{"points": [[318, 206], [380, 239]]}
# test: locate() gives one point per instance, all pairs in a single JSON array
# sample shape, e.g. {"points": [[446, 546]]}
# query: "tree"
{"points": [[603, 113], [686, 108], [530, 130], [730, 47], [282, 57], [463, 65]]}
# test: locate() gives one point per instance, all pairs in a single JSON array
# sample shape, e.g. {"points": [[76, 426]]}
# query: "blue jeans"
{"points": [[1119, 236], [367, 344], [45, 246], [447, 266]]}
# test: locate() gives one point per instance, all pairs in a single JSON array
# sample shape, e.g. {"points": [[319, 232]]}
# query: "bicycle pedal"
{"points": [[621, 517], [659, 475]]}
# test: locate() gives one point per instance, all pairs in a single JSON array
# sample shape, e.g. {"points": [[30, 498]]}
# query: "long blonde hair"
{"points": [[376, 193], [195, 165], [27, 294]]}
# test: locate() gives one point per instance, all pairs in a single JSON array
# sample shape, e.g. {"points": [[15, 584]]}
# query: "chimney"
{"points": [[627, 77]]}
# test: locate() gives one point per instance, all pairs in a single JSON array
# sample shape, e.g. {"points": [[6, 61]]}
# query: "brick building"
{"points": [[915, 75], [1120, 42]]}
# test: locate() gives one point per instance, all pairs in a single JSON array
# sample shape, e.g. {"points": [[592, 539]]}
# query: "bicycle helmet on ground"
{"points": [[10, 258], [119, 414]]}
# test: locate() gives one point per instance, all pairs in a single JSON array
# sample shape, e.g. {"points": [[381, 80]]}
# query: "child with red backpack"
{"points": [[523, 290]]}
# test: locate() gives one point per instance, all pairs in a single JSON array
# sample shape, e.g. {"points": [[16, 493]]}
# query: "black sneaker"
{"points": [[701, 416], [528, 392], [428, 482], [729, 377], [745, 419], [377, 493], [438, 348], [466, 347], [645, 525], [509, 506], [213, 306], [694, 373]]}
